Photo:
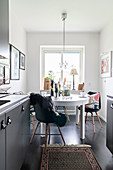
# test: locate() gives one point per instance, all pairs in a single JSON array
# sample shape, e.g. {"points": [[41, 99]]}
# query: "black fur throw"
{"points": [[44, 102]]}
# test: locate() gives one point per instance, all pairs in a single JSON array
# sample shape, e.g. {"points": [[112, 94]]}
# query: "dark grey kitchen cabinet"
{"points": [[25, 122], [4, 28], [13, 139], [17, 135], [109, 127], [2, 142]]}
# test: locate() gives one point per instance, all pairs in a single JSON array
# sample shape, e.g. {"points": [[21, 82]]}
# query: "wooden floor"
{"points": [[71, 136]]}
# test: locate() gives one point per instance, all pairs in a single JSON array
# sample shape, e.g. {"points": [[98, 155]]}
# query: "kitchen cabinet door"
{"points": [[17, 134], [13, 139], [2, 142], [25, 122]]}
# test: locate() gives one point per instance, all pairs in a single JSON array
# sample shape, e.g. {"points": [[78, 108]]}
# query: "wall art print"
{"points": [[105, 64], [22, 61], [14, 63], [7, 75], [1, 74]]}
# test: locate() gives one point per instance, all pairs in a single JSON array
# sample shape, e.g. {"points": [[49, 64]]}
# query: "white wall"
{"points": [[106, 84], [91, 42], [17, 37]]}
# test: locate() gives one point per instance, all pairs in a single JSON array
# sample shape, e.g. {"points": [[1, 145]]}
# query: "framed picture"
{"points": [[7, 75], [14, 63], [22, 61], [1, 74], [105, 64]]}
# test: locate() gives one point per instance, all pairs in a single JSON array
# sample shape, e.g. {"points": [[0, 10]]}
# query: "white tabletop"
{"points": [[70, 99]]}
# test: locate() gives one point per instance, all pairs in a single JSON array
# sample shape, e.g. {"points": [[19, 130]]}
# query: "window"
{"points": [[52, 59]]}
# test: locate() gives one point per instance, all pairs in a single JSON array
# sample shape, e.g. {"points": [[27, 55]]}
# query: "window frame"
{"points": [[47, 49]]}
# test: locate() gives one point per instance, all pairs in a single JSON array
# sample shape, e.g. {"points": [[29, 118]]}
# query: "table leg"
{"points": [[77, 115], [65, 111], [82, 122], [42, 130]]}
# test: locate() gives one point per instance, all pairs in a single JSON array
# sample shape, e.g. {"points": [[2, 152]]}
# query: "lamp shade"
{"points": [[74, 71]]}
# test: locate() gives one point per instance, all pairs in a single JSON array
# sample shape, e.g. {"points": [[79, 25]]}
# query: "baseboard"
{"points": [[102, 118], [89, 115]]}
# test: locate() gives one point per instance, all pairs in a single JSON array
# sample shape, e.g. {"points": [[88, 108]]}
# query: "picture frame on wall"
{"points": [[105, 65], [7, 75], [22, 61], [14, 63], [1, 74]]}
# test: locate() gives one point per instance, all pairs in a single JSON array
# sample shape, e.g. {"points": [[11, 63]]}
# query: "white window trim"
{"points": [[56, 48]]}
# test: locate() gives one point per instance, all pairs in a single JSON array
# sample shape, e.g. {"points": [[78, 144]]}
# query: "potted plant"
{"points": [[49, 80]]}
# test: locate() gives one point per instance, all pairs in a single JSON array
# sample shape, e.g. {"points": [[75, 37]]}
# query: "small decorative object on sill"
{"points": [[52, 92], [47, 84], [65, 81], [59, 90], [74, 72], [66, 91], [56, 89], [81, 86]]}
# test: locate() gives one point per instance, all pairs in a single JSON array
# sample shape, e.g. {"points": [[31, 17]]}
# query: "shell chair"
{"points": [[44, 112], [93, 110]]}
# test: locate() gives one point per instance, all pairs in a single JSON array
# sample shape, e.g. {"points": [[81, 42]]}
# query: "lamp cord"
{"points": [[63, 35]]}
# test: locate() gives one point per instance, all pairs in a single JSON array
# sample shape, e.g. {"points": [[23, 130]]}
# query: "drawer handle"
{"points": [[23, 109], [112, 105], [3, 125], [8, 120]]}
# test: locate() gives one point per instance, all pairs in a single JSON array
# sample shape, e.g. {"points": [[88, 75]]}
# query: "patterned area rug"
{"points": [[70, 157]]}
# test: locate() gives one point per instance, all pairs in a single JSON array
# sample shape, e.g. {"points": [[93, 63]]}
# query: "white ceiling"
{"points": [[45, 15]]}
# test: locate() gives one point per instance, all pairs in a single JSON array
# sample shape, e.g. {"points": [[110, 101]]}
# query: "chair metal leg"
{"points": [[98, 119], [49, 128], [85, 120], [49, 133], [78, 123], [61, 135], [65, 110], [93, 122], [33, 121], [86, 116], [34, 132], [46, 138]]}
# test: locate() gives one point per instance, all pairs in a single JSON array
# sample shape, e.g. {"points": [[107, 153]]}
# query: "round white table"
{"points": [[77, 101]]}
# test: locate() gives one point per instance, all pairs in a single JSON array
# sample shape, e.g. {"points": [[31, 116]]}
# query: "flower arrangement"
{"points": [[50, 75]]}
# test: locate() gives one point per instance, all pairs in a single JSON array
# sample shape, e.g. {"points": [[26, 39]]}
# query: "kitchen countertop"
{"points": [[110, 96], [14, 100]]}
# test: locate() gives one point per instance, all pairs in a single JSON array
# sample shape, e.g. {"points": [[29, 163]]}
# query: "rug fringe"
{"points": [[60, 145]]}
